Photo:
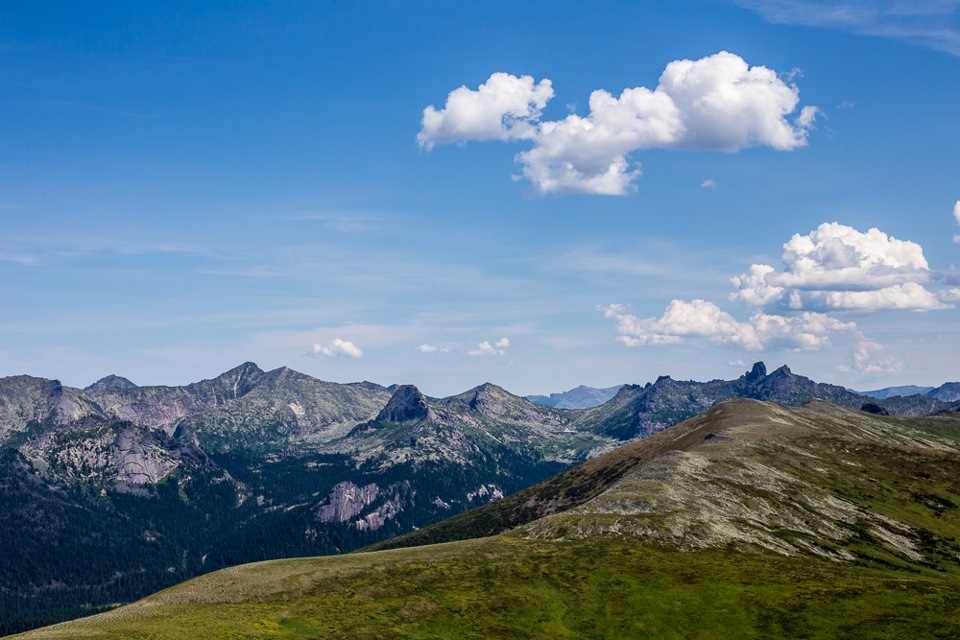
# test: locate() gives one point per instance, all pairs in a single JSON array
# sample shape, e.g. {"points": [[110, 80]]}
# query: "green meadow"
{"points": [[508, 587]]}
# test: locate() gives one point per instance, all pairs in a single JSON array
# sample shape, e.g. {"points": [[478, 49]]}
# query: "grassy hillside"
{"points": [[507, 587]]}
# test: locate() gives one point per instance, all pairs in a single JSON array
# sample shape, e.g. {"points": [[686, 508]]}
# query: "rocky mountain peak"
{"points": [[758, 372], [110, 383], [53, 388], [406, 403], [783, 371], [241, 379], [488, 396], [245, 370]]}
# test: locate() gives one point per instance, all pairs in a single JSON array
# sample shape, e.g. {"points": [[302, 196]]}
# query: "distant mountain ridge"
{"points": [[581, 397], [947, 392]]}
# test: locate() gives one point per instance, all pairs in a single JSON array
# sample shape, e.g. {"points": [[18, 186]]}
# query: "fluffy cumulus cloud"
{"points": [[498, 348], [336, 349], [833, 268], [836, 267], [716, 103], [806, 331], [505, 107]]}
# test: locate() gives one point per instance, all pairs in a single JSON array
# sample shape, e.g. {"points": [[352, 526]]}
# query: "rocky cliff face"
{"points": [[345, 501], [107, 454], [406, 404], [25, 400]]}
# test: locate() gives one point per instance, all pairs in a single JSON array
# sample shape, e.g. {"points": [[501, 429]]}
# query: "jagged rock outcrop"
{"points": [[25, 400], [345, 501], [107, 453], [389, 510], [638, 411], [407, 403]]}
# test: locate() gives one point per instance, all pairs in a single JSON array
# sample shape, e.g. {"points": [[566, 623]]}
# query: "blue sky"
{"points": [[189, 186]]}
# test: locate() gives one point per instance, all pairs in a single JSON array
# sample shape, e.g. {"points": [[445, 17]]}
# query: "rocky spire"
{"points": [[407, 403], [759, 371]]}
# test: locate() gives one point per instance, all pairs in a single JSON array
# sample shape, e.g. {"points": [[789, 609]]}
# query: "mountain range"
{"points": [[582, 397], [750, 520], [948, 392], [114, 491]]}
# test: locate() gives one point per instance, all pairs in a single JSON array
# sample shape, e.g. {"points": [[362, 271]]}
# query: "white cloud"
{"points": [[728, 105], [753, 289], [708, 184], [904, 297], [336, 349], [956, 216], [931, 23], [838, 267], [699, 318], [486, 349], [949, 295], [716, 103], [865, 360], [432, 348], [505, 107]]}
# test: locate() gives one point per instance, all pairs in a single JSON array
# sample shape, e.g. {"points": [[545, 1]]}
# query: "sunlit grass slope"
{"points": [[508, 587]]}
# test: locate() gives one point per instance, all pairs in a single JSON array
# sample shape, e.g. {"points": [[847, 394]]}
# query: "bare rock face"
{"points": [[490, 491], [138, 460], [345, 501], [26, 399], [113, 454], [407, 403], [381, 515]]}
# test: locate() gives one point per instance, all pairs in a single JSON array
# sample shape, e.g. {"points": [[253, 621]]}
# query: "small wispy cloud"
{"points": [[432, 348], [337, 348], [709, 183], [346, 221], [956, 216], [934, 24], [21, 259], [498, 348]]}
